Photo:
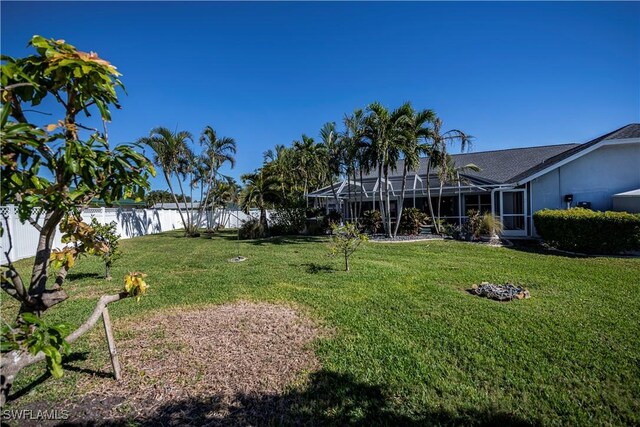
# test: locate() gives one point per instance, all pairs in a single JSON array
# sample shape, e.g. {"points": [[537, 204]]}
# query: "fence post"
{"points": [[111, 343]]}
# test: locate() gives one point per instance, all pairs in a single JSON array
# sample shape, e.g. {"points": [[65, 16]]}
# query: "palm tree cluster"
{"points": [[199, 172], [372, 140]]}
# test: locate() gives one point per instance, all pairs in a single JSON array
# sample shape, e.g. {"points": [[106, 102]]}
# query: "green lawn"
{"points": [[408, 344]]}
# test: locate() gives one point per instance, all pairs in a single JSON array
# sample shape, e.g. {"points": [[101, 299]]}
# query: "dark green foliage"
{"points": [[411, 220], [287, 221], [252, 229], [472, 227], [372, 221], [330, 219], [584, 230]]}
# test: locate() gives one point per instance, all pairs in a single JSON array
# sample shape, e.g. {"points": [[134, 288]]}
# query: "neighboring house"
{"points": [[513, 183], [122, 204], [173, 206]]}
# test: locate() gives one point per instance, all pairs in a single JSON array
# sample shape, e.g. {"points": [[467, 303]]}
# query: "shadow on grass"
{"points": [[329, 399], [315, 268], [534, 246], [79, 276], [276, 240], [67, 365]]}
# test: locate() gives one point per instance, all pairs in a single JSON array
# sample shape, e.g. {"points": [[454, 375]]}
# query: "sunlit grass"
{"points": [[402, 321]]}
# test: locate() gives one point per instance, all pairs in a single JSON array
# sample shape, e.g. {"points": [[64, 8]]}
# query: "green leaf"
{"points": [[31, 318]]}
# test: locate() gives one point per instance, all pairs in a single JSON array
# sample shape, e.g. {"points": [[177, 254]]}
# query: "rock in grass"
{"points": [[505, 292]]}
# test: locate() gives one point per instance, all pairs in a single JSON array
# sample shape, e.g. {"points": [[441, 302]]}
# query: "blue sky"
{"points": [[511, 74]]}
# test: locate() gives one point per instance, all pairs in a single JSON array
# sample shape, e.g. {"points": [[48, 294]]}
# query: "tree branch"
{"points": [[15, 85], [16, 288], [14, 361]]}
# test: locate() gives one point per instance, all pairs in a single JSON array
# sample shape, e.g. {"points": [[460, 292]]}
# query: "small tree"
{"points": [[51, 173], [345, 241], [106, 234]]}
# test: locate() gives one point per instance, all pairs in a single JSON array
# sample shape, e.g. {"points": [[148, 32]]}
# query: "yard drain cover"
{"points": [[237, 259]]}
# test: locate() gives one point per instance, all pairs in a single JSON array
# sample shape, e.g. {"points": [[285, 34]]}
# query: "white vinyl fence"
{"points": [[130, 223]]}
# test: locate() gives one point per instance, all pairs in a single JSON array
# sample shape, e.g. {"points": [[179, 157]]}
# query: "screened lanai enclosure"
{"points": [[452, 201], [600, 174]]}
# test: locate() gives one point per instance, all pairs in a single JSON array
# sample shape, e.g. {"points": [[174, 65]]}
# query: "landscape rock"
{"points": [[505, 292]]}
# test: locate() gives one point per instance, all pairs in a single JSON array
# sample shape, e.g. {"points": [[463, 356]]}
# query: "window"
{"points": [[478, 202]]}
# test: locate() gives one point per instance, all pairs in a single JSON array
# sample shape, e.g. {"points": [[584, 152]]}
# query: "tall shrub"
{"points": [[412, 220], [584, 230]]}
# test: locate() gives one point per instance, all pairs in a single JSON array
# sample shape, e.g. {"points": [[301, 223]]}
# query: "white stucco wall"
{"points": [[594, 177]]}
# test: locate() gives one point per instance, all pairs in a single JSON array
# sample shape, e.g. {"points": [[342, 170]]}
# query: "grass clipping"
{"points": [[227, 351]]}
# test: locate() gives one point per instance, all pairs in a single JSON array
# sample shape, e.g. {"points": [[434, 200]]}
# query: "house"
{"points": [[173, 206], [512, 184]]}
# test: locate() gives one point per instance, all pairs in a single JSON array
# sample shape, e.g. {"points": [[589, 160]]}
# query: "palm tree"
{"points": [[158, 196], [217, 152], [384, 131], [333, 150], [278, 162], [224, 192], [353, 140], [412, 148], [310, 162], [170, 150], [437, 153], [451, 173], [260, 190]]}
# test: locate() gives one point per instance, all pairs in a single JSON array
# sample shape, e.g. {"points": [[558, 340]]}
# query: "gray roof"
{"points": [[501, 166], [632, 193], [190, 205], [515, 164], [626, 132]]}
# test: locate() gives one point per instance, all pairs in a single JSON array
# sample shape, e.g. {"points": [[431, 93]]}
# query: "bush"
{"points": [[489, 225], [252, 229], [287, 221], [411, 220], [329, 220], [584, 230], [471, 228], [372, 221]]}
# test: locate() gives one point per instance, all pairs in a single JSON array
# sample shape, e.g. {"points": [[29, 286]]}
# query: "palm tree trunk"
{"points": [[175, 198], [433, 218], [439, 202], [361, 195], [400, 208], [380, 199], [186, 207], [388, 200]]}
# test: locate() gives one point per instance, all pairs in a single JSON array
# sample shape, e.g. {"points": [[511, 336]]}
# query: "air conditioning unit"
{"points": [[586, 205]]}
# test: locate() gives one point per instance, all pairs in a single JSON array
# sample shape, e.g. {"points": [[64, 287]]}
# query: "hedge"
{"points": [[586, 231]]}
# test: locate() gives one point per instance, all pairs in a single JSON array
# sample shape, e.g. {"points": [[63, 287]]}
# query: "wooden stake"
{"points": [[111, 343]]}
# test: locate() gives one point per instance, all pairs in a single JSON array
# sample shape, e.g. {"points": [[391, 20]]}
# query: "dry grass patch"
{"points": [[223, 351]]}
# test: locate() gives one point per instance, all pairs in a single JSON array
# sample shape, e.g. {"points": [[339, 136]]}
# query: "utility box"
{"points": [[586, 205]]}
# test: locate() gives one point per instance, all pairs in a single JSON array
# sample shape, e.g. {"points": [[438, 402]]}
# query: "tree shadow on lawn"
{"points": [[67, 365], [315, 268], [533, 246], [276, 240], [329, 399], [79, 276]]}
